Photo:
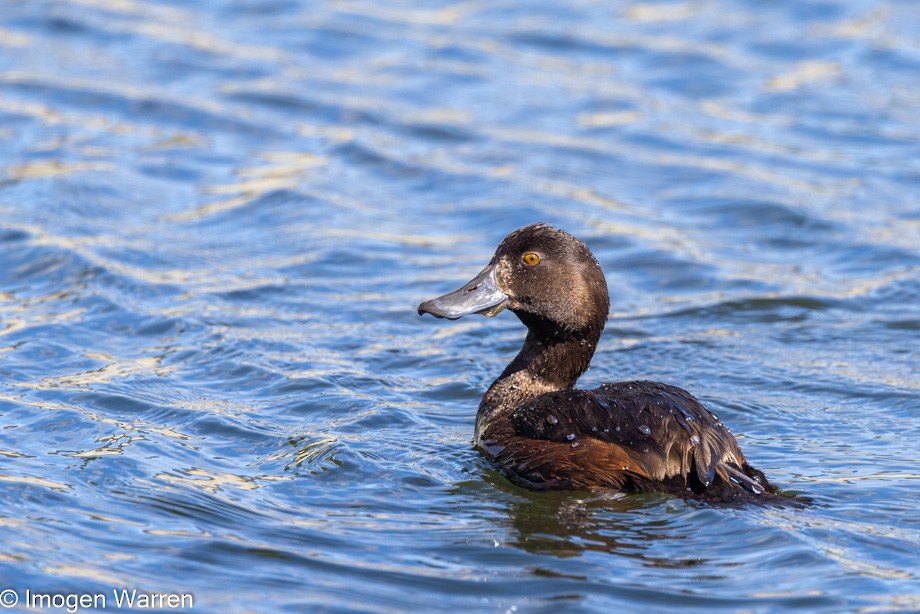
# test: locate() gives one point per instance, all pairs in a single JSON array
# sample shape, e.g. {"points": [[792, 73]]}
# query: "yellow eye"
{"points": [[531, 259]]}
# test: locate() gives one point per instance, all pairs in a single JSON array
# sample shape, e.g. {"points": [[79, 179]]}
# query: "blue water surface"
{"points": [[217, 218]]}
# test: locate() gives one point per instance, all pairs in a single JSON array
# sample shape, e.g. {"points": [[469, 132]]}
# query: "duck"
{"points": [[542, 432]]}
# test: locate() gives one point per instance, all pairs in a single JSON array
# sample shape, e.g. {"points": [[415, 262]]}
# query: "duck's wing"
{"points": [[640, 431]]}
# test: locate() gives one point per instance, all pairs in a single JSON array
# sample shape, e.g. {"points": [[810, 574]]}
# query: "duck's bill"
{"points": [[480, 295]]}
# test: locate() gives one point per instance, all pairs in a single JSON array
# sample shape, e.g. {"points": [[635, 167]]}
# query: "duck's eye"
{"points": [[531, 259]]}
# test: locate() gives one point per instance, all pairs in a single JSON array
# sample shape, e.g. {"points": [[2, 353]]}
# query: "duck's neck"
{"points": [[549, 361]]}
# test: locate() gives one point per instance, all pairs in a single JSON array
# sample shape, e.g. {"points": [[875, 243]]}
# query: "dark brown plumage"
{"points": [[545, 433]]}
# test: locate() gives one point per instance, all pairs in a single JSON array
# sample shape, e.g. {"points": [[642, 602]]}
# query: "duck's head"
{"points": [[547, 277]]}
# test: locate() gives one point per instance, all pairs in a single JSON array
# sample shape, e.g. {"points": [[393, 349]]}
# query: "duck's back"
{"points": [[629, 435]]}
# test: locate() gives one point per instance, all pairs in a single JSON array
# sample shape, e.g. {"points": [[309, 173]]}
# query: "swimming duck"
{"points": [[546, 434]]}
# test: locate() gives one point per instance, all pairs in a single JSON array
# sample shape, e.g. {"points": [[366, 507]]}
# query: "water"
{"points": [[217, 218]]}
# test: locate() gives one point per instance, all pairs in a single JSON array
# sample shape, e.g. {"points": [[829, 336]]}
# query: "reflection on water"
{"points": [[216, 219]]}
